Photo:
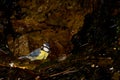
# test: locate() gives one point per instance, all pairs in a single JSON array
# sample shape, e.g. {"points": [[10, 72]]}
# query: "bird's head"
{"points": [[46, 47]]}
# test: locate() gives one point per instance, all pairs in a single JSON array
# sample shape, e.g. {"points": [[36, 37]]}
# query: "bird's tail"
{"points": [[22, 57]]}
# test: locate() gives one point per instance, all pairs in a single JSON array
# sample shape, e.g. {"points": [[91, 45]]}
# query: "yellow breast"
{"points": [[42, 55]]}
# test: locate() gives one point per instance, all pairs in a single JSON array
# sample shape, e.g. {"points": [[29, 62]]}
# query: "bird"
{"points": [[39, 53]]}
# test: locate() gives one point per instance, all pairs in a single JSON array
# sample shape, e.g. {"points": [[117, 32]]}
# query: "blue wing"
{"points": [[35, 53]]}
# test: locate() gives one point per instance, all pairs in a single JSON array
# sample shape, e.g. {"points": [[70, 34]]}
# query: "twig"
{"points": [[64, 72], [3, 51], [84, 44]]}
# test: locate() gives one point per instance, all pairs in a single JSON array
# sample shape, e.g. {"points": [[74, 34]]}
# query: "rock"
{"points": [[62, 57], [52, 21], [20, 46]]}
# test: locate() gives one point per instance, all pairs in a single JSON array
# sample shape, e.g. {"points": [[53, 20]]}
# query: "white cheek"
{"points": [[45, 49]]}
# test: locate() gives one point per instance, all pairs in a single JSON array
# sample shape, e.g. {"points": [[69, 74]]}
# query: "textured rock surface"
{"points": [[20, 46], [48, 20]]}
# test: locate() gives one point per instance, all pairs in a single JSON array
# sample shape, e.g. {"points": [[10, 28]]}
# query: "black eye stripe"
{"points": [[46, 47]]}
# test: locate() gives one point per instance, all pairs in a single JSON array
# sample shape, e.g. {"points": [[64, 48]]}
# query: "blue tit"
{"points": [[38, 54]]}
